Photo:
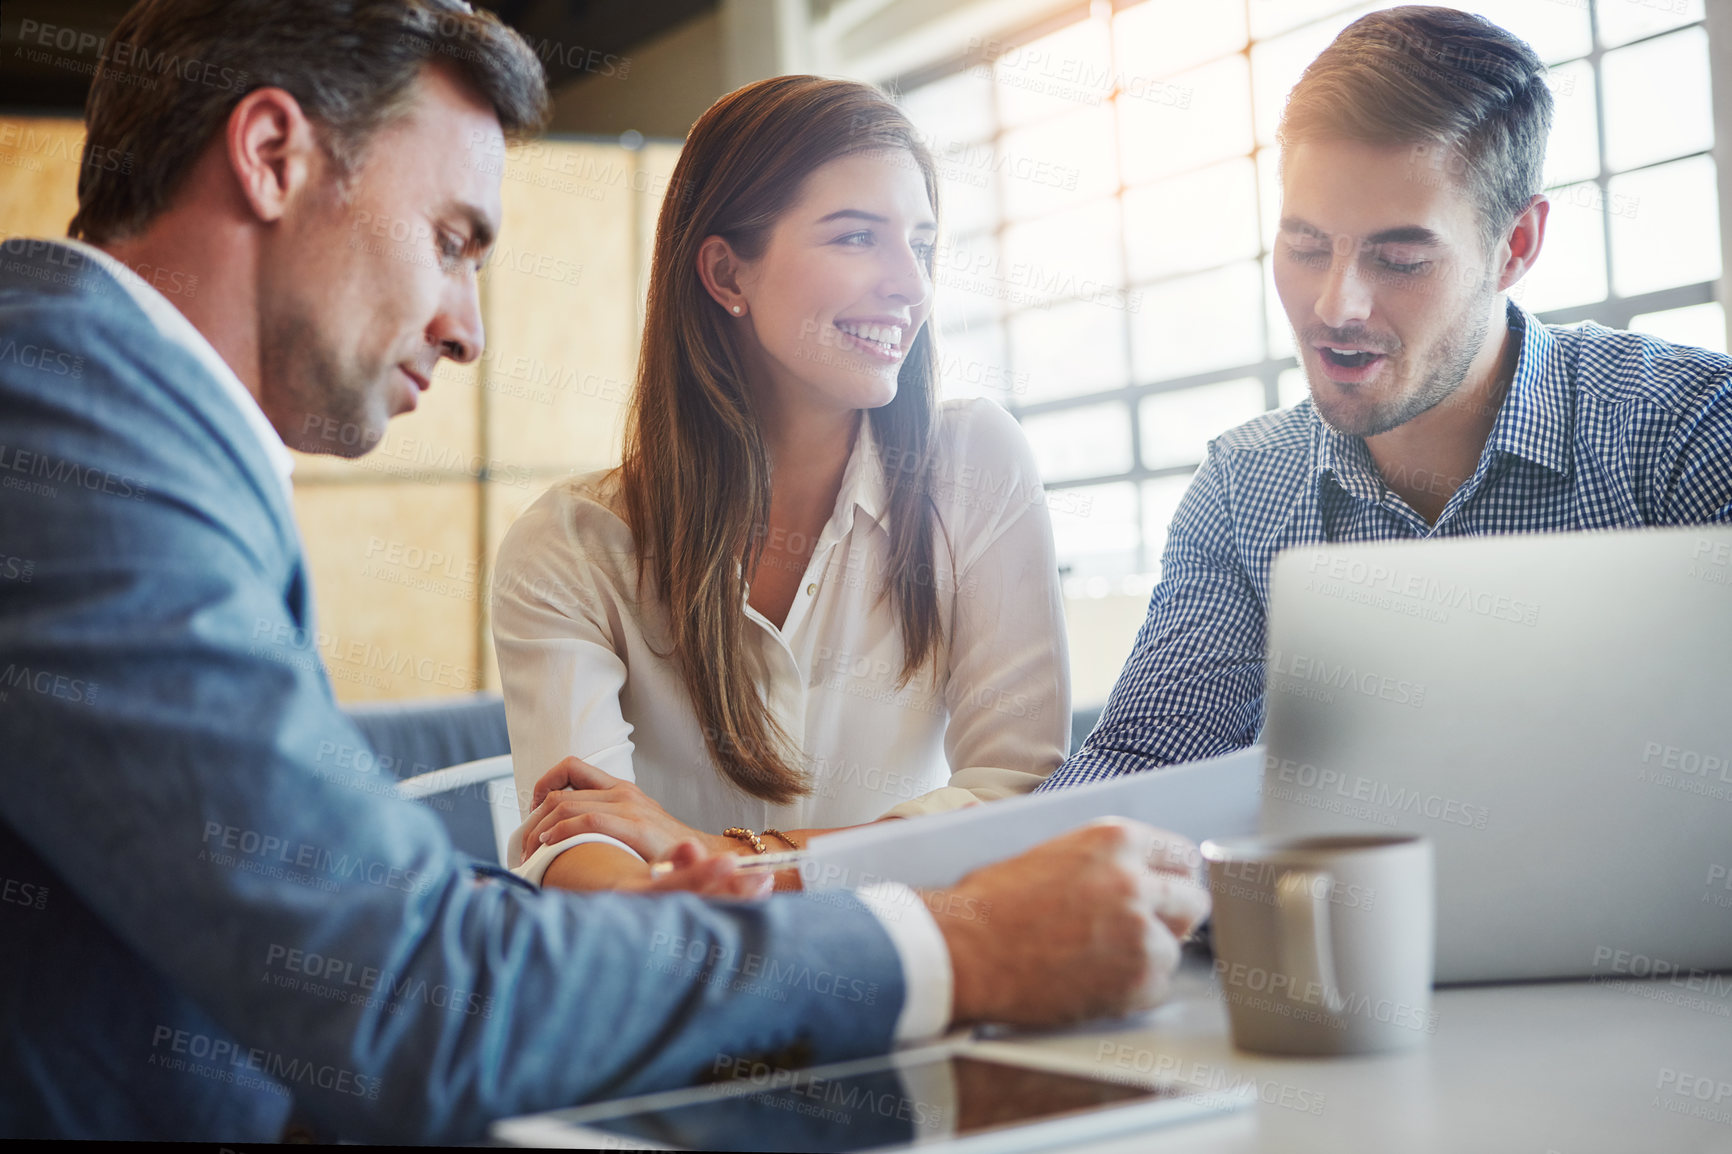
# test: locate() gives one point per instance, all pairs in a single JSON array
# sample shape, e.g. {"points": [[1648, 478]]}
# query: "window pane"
{"points": [[1571, 269], [1202, 117], [957, 109], [1622, 21], [1280, 330], [1280, 333], [1161, 499], [972, 363], [1058, 163], [1070, 254], [1665, 226], [1094, 528], [1573, 152], [1272, 17], [1039, 225], [1701, 325], [1555, 29], [1269, 194], [1068, 350], [1055, 74], [969, 280], [1192, 222], [1177, 426], [1657, 100], [1276, 65], [1091, 441], [1198, 323], [967, 188], [1160, 37]]}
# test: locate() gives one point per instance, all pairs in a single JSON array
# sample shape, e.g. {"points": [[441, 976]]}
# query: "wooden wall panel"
{"points": [[398, 581], [656, 163], [39, 159], [561, 288], [504, 504]]}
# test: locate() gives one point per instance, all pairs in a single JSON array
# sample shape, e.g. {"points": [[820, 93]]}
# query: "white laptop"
{"points": [[1553, 710]]}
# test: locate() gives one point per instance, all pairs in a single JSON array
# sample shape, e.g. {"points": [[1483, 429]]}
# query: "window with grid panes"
{"points": [[1110, 202]]}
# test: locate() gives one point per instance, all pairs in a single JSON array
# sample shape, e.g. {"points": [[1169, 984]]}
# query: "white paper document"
{"points": [[1201, 799]]}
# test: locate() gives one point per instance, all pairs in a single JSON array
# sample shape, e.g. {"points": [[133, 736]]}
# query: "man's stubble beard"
{"points": [[1453, 359], [330, 400]]}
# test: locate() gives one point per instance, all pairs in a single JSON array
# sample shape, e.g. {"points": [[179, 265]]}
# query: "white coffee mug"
{"points": [[1324, 945]]}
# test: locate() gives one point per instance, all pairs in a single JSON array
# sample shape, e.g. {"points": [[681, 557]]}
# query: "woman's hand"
{"points": [[575, 797]]}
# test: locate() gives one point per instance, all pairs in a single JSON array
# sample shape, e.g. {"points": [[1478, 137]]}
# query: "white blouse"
{"points": [[586, 665]]}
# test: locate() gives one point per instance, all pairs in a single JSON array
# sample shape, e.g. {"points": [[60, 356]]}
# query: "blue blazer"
{"points": [[209, 924]]}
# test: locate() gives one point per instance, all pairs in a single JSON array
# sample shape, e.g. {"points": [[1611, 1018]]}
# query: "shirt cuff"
{"points": [[968, 787], [926, 977], [941, 800], [534, 869]]}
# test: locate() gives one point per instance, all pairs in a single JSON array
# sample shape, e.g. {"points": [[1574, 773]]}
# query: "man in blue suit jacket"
{"points": [[206, 932]]}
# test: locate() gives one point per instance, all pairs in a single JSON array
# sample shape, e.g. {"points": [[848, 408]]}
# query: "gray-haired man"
{"points": [[218, 937]]}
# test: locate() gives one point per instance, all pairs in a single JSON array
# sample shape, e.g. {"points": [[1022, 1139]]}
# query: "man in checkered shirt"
{"points": [[1412, 152]]}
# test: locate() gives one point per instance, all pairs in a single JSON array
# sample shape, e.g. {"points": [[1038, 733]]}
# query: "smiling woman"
{"points": [[811, 596]]}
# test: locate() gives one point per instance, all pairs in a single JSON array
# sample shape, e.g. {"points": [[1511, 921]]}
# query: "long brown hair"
{"points": [[696, 475]]}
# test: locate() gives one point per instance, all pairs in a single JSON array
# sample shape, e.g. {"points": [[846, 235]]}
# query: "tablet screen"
{"points": [[929, 1101]]}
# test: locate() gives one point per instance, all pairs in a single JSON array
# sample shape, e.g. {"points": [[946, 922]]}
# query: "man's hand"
{"points": [[575, 797], [1084, 926], [709, 875], [690, 867]]}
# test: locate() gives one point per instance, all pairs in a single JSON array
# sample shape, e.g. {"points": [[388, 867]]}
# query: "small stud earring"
{"points": [[738, 310]]}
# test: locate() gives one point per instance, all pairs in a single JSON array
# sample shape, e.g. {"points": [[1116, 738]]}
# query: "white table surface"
{"points": [[1564, 1067]]}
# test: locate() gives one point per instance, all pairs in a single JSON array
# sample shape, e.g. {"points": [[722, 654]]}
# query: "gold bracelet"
{"points": [[785, 837], [744, 834]]}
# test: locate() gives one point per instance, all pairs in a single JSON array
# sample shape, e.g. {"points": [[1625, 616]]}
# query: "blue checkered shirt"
{"points": [[1600, 430]]}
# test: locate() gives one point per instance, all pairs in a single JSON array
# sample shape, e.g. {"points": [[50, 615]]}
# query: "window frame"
{"points": [[1613, 310]]}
